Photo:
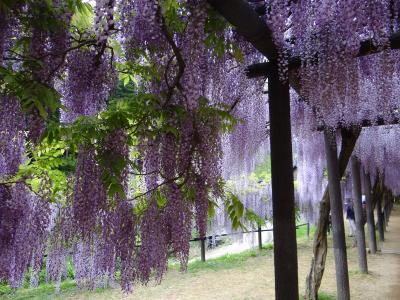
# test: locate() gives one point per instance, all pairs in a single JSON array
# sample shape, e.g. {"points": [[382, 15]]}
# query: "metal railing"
{"points": [[203, 240]]}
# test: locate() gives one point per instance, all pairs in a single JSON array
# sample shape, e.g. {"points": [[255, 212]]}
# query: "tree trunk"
{"points": [[339, 240], [358, 211], [370, 212], [283, 205], [320, 247]]}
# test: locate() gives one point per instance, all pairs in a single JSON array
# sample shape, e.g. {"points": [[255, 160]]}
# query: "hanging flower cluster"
{"points": [[380, 158], [146, 165], [104, 20]]}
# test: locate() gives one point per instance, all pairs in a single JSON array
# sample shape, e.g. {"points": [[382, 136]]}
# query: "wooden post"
{"points": [[358, 212], [308, 229], [203, 249], [339, 241], [386, 209], [385, 218], [391, 204], [320, 244], [380, 218], [328, 228], [385, 198], [283, 208], [259, 238], [370, 212]]}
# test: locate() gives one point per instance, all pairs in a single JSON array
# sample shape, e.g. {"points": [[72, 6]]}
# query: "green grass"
{"points": [[358, 273], [68, 287], [5, 289], [46, 291], [229, 261], [301, 231], [43, 291], [326, 296], [322, 296], [301, 234]]}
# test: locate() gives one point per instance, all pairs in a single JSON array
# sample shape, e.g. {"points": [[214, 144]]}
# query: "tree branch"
{"points": [[177, 54]]}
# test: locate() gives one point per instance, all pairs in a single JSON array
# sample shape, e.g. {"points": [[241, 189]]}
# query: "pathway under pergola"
{"points": [[391, 245]]}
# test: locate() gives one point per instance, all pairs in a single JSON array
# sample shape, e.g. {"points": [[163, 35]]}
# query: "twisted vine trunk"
{"points": [[320, 246]]}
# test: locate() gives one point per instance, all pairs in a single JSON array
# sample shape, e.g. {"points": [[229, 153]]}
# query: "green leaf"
{"points": [[161, 199], [115, 189]]}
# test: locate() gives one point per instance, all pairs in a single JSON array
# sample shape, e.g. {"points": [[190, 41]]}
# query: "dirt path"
{"points": [[391, 246], [392, 236]]}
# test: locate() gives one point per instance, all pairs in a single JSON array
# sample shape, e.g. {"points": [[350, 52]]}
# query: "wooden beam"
{"points": [[368, 123], [366, 48], [247, 22]]}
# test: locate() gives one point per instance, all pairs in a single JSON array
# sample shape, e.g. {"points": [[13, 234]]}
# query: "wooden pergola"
{"points": [[249, 24]]}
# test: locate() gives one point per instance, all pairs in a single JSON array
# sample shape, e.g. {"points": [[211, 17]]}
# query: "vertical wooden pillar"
{"points": [[380, 217], [384, 201], [320, 247], [308, 229], [386, 218], [358, 211], [391, 205], [328, 228], [335, 198], [285, 245], [203, 249], [259, 238], [370, 212], [386, 209]]}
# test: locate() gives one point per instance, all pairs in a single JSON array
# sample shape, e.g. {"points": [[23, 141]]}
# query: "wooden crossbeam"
{"points": [[367, 47], [248, 23], [368, 123]]}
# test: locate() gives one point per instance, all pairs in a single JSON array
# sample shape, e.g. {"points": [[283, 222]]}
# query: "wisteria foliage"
{"points": [[149, 166], [177, 164]]}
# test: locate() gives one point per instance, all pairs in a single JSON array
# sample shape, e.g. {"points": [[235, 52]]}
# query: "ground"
{"points": [[250, 275]]}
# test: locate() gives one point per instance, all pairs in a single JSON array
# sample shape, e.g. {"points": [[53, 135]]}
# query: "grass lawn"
{"points": [[241, 276]]}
